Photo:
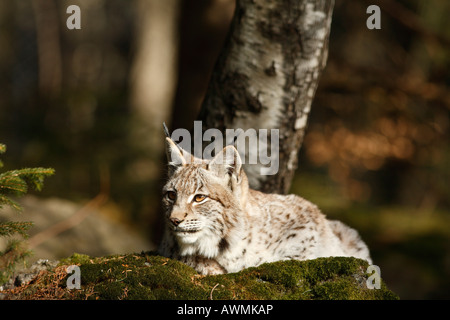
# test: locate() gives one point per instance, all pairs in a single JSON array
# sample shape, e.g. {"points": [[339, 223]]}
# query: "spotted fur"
{"points": [[234, 227]]}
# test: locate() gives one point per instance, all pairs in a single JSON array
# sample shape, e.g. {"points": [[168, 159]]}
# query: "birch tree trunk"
{"points": [[266, 77]]}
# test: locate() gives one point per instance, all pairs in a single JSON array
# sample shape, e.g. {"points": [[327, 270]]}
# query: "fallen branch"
{"points": [[77, 217]]}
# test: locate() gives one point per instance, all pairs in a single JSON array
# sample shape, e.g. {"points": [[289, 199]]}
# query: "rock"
{"points": [[25, 276], [152, 277], [98, 234]]}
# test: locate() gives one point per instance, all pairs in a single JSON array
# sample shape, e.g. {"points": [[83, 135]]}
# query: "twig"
{"points": [[210, 294], [69, 223], [77, 217]]}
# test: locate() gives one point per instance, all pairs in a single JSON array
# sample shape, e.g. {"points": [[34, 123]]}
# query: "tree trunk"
{"points": [[266, 77], [153, 74]]}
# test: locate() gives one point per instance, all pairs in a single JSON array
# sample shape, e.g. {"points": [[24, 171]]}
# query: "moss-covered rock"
{"points": [[149, 276]]}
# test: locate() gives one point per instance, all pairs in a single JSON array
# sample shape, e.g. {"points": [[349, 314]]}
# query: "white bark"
{"points": [[267, 75]]}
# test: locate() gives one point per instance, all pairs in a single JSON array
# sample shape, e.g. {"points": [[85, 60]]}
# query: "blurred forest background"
{"points": [[90, 103]]}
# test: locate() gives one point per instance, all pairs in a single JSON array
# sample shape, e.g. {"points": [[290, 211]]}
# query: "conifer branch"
{"points": [[16, 183]]}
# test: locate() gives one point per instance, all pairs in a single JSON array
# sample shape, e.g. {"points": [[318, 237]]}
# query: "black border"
{"points": [[163, 309]]}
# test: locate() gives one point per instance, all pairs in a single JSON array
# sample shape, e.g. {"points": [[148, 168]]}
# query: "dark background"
{"points": [[376, 154]]}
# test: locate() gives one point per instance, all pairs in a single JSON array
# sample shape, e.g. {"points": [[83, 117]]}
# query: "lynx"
{"points": [[216, 224]]}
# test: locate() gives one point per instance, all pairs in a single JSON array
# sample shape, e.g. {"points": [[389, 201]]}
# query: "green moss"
{"points": [[149, 276], [76, 258]]}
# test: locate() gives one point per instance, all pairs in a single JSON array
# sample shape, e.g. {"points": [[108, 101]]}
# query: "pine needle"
{"points": [[16, 183], [9, 228]]}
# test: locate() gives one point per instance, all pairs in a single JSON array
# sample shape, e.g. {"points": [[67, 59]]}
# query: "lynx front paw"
{"points": [[208, 266]]}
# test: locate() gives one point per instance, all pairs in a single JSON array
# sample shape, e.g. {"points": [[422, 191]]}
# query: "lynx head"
{"points": [[202, 199]]}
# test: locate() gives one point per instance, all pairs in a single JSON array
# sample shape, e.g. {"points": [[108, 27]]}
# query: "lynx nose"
{"points": [[175, 221]]}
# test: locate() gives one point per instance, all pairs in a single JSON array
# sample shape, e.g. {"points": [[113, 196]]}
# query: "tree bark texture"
{"points": [[266, 77]]}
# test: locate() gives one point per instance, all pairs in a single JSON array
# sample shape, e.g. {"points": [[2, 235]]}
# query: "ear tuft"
{"points": [[174, 155]]}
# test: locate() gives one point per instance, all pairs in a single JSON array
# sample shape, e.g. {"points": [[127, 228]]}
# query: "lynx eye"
{"points": [[171, 195], [199, 197]]}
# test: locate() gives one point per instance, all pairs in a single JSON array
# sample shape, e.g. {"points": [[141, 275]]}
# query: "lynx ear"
{"points": [[174, 154], [228, 161]]}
